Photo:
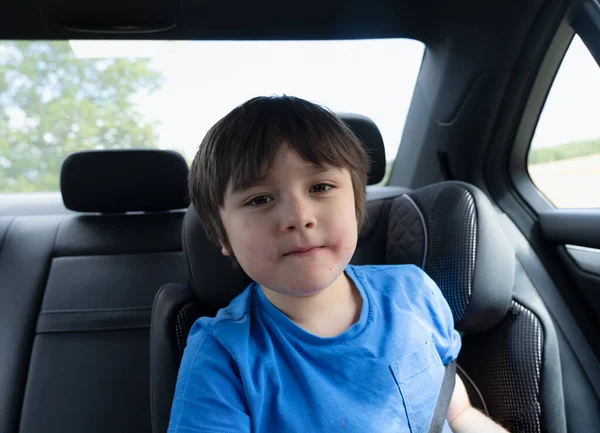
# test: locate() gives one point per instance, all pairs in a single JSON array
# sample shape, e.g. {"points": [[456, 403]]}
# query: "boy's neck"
{"points": [[327, 313]]}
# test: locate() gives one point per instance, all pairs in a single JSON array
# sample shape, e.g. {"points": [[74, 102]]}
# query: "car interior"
{"points": [[101, 280]]}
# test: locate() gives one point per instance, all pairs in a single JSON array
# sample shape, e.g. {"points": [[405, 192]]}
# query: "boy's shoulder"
{"points": [[390, 274], [407, 284], [229, 319]]}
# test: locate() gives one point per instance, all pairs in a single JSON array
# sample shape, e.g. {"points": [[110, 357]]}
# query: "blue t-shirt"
{"points": [[251, 369]]}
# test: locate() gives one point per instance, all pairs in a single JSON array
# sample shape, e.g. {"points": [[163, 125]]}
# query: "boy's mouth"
{"points": [[302, 250]]}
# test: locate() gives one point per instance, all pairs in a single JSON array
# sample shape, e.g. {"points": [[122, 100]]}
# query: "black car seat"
{"points": [[77, 291], [509, 362]]}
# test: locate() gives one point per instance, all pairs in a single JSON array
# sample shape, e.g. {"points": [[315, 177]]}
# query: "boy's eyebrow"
{"points": [[316, 169], [313, 169], [242, 189]]}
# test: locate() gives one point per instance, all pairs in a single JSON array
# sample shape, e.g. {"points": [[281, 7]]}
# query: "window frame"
{"points": [[585, 22]]}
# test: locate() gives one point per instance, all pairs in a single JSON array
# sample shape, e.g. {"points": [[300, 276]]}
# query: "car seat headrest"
{"points": [[466, 253], [213, 277], [124, 180], [368, 133]]}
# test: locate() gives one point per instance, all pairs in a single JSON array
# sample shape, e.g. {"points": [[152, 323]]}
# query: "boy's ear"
{"points": [[224, 250]]}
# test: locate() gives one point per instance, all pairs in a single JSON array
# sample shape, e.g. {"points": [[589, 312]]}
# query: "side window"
{"points": [[564, 158]]}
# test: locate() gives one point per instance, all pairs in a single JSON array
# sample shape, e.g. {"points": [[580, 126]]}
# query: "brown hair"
{"points": [[240, 146]]}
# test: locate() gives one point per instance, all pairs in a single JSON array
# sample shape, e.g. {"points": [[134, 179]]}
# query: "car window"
{"points": [[58, 97], [564, 159]]}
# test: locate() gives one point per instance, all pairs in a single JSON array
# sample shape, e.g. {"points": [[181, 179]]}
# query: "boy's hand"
{"points": [[464, 418]]}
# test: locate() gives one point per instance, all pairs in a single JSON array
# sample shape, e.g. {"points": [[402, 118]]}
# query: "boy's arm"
{"points": [[464, 418]]}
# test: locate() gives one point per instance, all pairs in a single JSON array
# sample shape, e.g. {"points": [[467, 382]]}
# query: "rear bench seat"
{"points": [[76, 294]]}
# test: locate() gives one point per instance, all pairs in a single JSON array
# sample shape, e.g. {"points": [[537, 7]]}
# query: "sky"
{"points": [[376, 78], [571, 109]]}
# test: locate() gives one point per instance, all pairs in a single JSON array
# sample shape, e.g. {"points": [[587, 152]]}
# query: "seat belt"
{"points": [[443, 400]]}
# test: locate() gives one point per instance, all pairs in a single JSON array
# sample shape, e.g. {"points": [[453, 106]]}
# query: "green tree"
{"points": [[53, 104], [572, 149]]}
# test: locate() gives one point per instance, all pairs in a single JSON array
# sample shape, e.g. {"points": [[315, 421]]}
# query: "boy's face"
{"points": [[296, 230]]}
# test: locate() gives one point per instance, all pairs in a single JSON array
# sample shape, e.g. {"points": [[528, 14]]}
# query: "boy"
{"points": [[314, 344]]}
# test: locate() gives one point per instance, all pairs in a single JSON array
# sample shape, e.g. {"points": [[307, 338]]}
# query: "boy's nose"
{"points": [[297, 215]]}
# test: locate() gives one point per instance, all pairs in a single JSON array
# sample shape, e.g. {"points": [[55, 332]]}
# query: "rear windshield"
{"points": [[58, 97]]}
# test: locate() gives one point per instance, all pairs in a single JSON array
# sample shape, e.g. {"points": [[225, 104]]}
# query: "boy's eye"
{"points": [[322, 187], [258, 200]]}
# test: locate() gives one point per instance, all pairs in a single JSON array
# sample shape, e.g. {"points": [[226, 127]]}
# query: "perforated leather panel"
{"points": [[406, 233], [450, 217], [506, 363], [183, 323]]}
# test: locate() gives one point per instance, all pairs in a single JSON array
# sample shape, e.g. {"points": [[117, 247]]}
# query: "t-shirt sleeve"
{"points": [[446, 339], [209, 397]]}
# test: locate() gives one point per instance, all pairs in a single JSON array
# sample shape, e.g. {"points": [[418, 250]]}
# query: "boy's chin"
{"points": [[306, 285]]}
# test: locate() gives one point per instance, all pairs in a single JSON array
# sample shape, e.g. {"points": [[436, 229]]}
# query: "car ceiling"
{"points": [[258, 20]]}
